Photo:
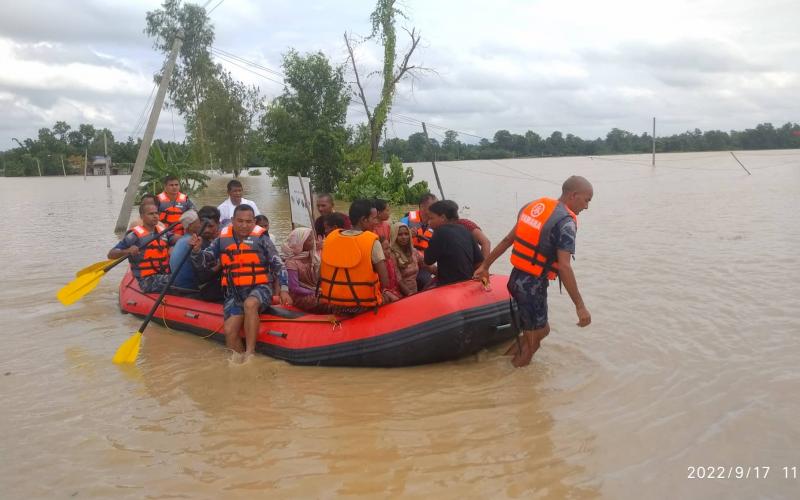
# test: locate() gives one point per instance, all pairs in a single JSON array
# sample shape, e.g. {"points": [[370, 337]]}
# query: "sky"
{"points": [[580, 67]]}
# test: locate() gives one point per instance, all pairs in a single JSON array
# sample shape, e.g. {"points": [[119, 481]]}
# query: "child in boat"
{"points": [[333, 221], [407, 261], [263, 221]]}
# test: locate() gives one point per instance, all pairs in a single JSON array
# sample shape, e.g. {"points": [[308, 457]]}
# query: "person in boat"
{"points": [[384, 227], [451, 247], [248, 258], [186, 280], [393, 288], [333, 221], [209, 280], [172, 203], [353, 268], [226, 208], [149, 264], [302, 267], [421, 234], [325, 208], [146, 198], [543, 241], [407, 260], [477, 234], [263, 221]]}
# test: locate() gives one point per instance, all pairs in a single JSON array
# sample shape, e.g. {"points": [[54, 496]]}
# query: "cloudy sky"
{"points": [[581, 67]]}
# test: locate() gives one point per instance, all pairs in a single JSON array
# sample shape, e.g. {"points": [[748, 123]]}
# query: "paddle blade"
{"points": [[129, 349], [80, 286], [97, 266]]}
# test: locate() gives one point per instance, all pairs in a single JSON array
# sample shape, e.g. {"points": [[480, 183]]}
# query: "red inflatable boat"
{"points": [[441, 324]]}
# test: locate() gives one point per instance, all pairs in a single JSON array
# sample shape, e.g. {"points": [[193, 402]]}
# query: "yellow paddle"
{"points": [[87, 278], [129, 350], [96, 266]]}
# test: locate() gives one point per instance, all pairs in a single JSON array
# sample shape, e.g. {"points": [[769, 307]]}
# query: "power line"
{"points": [[230, 61], [138, 125], [213, 8]]}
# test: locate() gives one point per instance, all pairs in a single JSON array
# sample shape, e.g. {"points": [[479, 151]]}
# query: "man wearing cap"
{"points": [[186, 278]]}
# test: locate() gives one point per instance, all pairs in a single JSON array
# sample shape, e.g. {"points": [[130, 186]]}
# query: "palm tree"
{"points": [[158, 167]]}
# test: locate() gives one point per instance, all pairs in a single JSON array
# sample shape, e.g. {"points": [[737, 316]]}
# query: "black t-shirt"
{"points": [[455, 253]]}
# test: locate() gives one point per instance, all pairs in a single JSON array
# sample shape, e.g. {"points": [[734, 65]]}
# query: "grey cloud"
{"points": [[95, 22]]}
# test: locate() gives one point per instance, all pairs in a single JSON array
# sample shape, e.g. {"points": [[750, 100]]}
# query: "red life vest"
{"points": [[240, 259], [533, 251], [170, 211], [155, 259], [347, 277]]}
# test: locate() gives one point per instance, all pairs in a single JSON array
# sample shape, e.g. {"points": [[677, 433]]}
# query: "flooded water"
{"points": [[689, 269]]}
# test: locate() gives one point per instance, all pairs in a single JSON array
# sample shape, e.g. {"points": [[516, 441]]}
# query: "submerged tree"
{"points": [[303, 129], [195, 71], [383, 26]]}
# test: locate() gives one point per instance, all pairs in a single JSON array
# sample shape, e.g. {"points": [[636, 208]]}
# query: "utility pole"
{"points": [[62, 166], [38, 165], [85, 162], [147, 139], [108, 169], [654, 141], [433, 161]]}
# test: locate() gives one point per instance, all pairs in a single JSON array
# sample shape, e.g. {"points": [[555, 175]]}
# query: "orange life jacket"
{"points": [[170, 211], [155, 256], [533, 251], [241, 262], [347, 277], [420, 234]]}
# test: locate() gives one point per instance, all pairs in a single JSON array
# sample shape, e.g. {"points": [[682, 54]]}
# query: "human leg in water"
{"points": [[232, 327], [531, 341]]}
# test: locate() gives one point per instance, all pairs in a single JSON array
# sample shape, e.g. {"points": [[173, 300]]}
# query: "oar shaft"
{"points": [[141, 246], [172, 276]]}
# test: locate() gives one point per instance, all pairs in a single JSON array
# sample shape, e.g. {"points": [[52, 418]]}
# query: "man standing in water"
{"points": [[544, 242], [226, 208], [248, 259]]}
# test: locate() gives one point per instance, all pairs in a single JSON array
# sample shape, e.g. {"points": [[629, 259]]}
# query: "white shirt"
{"points": [[227, 207]]}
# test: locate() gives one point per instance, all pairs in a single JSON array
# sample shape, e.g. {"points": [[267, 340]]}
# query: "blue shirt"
{"points": [[186, 278]]}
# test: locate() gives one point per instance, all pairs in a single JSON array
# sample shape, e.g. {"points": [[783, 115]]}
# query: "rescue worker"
{"points": [[148, 247], [172, 203], [248, 258], [353, 270], [543, 242]]}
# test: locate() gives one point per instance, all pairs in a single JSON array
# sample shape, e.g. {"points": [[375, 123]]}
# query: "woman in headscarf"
{"points": [[405, 257], [302, 266]]}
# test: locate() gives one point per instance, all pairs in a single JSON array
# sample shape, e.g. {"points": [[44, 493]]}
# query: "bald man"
{"points": [[543, 241]]}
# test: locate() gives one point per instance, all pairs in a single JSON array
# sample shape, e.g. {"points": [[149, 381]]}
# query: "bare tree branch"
{"points": [[404, 68], [358, 79]]}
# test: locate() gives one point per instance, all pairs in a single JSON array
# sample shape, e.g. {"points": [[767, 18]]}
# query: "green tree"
{"points": [[160, 165], [392, 183], [383, 20], [195, 71], [304, 128], [227, 110]]}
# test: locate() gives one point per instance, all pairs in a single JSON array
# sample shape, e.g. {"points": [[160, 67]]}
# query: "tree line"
{"points": [[304, 130], [509, 145]]}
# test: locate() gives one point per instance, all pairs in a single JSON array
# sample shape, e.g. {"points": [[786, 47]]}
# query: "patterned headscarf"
{"points": [[401, 255]]}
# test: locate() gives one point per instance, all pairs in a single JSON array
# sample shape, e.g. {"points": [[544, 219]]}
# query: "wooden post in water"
{"points": [[433, 161], [147, 139], [654, 141]]}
